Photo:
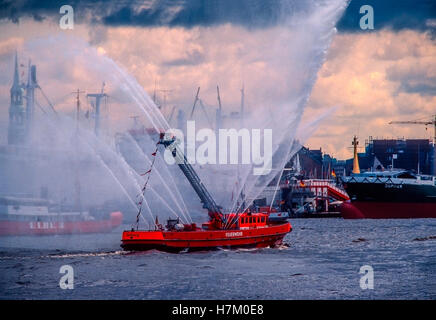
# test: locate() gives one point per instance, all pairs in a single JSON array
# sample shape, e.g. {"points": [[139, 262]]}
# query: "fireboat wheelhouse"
{"points": [[263, 228]]}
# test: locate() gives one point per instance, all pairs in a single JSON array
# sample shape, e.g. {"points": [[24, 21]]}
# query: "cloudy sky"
{"points": [[368, 77]]}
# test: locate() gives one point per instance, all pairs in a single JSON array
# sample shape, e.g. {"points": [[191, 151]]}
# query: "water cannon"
{"points": [[166, 139]]}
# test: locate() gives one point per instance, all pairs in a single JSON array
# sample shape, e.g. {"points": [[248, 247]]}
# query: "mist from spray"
{"points": [[80, 168], [298, 50], [109, 166]]}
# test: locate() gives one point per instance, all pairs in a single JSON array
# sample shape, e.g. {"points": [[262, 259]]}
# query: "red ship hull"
{"points": [[12, 228], [387, 210], [175, 241]]}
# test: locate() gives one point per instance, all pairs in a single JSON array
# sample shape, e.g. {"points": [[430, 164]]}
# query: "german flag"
{"points": [[333, 174]]}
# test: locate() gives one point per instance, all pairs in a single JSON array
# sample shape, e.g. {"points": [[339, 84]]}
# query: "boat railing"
{"points": [[390, 180]]}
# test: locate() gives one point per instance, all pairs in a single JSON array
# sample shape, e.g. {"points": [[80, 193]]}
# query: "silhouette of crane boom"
{"points": [[426, 123]]}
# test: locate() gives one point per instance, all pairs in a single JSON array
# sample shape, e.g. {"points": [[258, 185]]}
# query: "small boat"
{"points": [[30, 216], [263, 228], [250, 230]]}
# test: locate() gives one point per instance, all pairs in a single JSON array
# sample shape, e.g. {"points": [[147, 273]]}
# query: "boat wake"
{"points": [[282, 246], [85, 254]]}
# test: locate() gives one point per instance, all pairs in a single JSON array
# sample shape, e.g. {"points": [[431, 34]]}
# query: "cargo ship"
{"points": [[29, 216], [388, 194], [263, 228]]}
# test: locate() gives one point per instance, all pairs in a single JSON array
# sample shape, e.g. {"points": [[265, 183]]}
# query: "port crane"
{"points": [[97, 107], [197, 99], [426, 123]]}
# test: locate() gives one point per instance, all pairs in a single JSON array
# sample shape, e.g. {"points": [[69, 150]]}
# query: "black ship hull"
{"points": [[389, 200]]}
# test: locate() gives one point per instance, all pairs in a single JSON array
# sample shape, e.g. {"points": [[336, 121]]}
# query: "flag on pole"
{"points": [[333, 173], [146, 173]]}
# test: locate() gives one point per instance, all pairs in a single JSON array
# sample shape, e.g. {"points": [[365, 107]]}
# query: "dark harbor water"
{"points": [[322, 261]]}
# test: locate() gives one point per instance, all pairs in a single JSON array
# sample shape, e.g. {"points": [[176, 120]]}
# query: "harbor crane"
{"points": [[197, 99], [426, 123], [97, 107]]}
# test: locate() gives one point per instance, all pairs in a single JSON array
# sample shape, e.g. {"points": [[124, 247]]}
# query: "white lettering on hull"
{"points": [[46, 225], [233, 234]]}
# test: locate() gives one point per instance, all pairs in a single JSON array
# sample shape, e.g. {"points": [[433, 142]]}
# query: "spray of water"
{"points": [[104, 163], [298, 50]]}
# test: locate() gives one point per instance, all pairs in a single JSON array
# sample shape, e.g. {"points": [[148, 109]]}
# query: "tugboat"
{"points": [[264, 228]]}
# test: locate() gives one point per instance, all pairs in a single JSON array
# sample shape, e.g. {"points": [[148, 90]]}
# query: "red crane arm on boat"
{"points": [[208, 202]]}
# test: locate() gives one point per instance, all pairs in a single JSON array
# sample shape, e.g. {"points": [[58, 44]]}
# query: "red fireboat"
{"points": [[263, 228]]}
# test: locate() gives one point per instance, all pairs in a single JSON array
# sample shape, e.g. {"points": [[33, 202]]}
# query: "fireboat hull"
{"points": [[176, 241]]}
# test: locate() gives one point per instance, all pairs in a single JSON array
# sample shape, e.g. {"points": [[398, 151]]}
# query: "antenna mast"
{"points": [[77, 179]]}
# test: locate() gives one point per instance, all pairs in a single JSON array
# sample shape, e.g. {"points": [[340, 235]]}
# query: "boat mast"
{"points": [[77, 179], [241, 118]]}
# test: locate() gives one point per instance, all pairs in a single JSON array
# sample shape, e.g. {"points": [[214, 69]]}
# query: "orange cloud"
{"points": [[374, 78]]}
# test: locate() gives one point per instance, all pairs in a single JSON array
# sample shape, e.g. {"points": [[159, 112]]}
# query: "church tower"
{"points": [[17, 114]]}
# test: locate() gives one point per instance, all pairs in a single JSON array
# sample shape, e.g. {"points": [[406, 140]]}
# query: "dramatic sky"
{"points": [[369, 77]]}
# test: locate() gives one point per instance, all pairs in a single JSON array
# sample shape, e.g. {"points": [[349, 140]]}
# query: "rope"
{"points": [[148, 173]]}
